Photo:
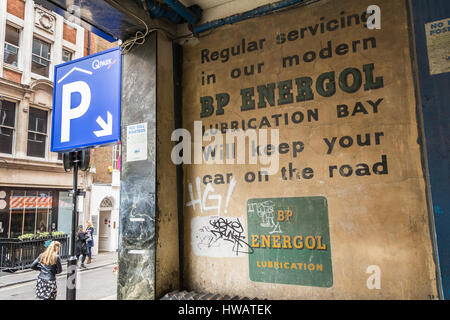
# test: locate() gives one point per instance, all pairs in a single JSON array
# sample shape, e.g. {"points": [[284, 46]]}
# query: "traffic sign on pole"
{"points": [[86, 102], [86, 113]]}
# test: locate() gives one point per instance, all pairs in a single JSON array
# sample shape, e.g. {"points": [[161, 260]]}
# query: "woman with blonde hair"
{"points": [[90, 241], [49, 265]]}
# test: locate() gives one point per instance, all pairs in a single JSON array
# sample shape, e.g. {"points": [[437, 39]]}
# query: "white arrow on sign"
{"points": [[106, 126]]}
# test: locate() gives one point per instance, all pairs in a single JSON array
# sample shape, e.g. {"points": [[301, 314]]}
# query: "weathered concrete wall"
{"points": [[213, 10], [351, 221], [167, 249]]}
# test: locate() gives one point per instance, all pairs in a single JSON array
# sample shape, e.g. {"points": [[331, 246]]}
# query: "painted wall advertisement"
{"points": [[291, 241], [327, 200]]}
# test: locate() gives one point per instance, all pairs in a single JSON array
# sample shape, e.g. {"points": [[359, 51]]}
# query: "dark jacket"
{"points": [[81, 243], [91, 233], [48, 272]]}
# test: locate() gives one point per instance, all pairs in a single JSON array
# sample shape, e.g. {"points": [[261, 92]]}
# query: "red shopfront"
{"points": [[25, 210]]}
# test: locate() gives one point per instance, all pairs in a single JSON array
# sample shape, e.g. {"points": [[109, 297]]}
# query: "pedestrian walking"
{"points": [[49, 265], [42, 227], [115, 270], [90, 241], [81, 247]]}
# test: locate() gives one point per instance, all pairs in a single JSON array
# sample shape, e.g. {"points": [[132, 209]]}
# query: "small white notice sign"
{"points": [[137, 142], [438, 44]]}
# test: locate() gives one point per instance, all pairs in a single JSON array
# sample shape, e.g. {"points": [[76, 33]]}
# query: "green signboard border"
{"points": [[305, 257]]}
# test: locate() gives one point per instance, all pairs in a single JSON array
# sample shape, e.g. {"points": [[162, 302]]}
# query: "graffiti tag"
{"points": [[231, 231]]}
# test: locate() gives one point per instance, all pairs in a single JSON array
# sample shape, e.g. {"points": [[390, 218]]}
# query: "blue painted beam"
{"points": [[187, 14], [435, 99], [158, 11], [245, 15]]}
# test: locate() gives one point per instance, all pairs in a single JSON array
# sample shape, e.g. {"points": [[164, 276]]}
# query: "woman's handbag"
{"points": [[89, 238]]}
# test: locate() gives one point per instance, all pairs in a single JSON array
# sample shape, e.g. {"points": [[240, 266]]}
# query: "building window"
{"points": [[106, 204], [116, 157], [37, 133], [11, 55], [7, 121], [40, 63], [29, 212], [66, 55]]}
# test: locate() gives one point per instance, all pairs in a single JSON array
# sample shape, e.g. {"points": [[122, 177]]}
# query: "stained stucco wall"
{"points": [[167, 246], [351, 221], [101, 159]]}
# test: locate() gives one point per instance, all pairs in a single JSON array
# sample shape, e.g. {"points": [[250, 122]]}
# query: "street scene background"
{"points": [[96, 282]]}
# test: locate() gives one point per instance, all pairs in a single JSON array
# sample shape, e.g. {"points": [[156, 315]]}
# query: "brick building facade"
{"points": [[32, 41]]}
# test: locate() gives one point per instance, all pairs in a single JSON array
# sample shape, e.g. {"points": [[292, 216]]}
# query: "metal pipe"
{"points": [[179, 8], [245, 15], [74, 209], [89, 43], [158, 11]]}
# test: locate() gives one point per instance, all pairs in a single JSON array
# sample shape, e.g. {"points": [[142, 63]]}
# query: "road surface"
{"points": [[95, 284]]}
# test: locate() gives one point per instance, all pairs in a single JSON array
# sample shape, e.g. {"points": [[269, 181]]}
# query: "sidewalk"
{"points": [[28, 275]]}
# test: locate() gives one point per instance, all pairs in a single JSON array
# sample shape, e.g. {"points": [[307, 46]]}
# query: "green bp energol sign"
{"points": [[291, 241]]}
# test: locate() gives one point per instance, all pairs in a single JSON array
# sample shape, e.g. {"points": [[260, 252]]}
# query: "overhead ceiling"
{"points": [[100, 17], [218, 9], [120, 19], [205, 4]]}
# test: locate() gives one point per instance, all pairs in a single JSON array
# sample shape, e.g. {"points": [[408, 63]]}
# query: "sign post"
{"points": [[76, 160], [72, 262], [86, 114]]}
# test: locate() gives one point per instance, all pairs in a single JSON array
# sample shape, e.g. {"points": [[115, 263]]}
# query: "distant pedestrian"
{"points": [[49, 265], [90, 241], [81, 245], [115, 270], [42, 228]]}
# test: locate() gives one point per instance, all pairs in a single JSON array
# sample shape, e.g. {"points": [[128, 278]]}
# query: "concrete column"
{"points": [[137, 237], [57, 45], [2, 33], [148, 228], [79, 51], [27, 41], [21, 137]]}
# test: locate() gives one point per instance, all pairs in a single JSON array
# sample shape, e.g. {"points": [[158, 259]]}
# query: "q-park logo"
{"points": [[97, 64]]}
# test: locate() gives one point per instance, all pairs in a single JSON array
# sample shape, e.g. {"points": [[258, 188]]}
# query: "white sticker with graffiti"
{"points": [[219, 237], [265, 211]]}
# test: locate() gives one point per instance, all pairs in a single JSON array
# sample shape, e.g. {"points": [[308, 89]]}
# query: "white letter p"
{"points": [[67, 113]]}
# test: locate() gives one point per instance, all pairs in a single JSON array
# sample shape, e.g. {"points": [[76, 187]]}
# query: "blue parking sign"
{"points": [[86, 102]]}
